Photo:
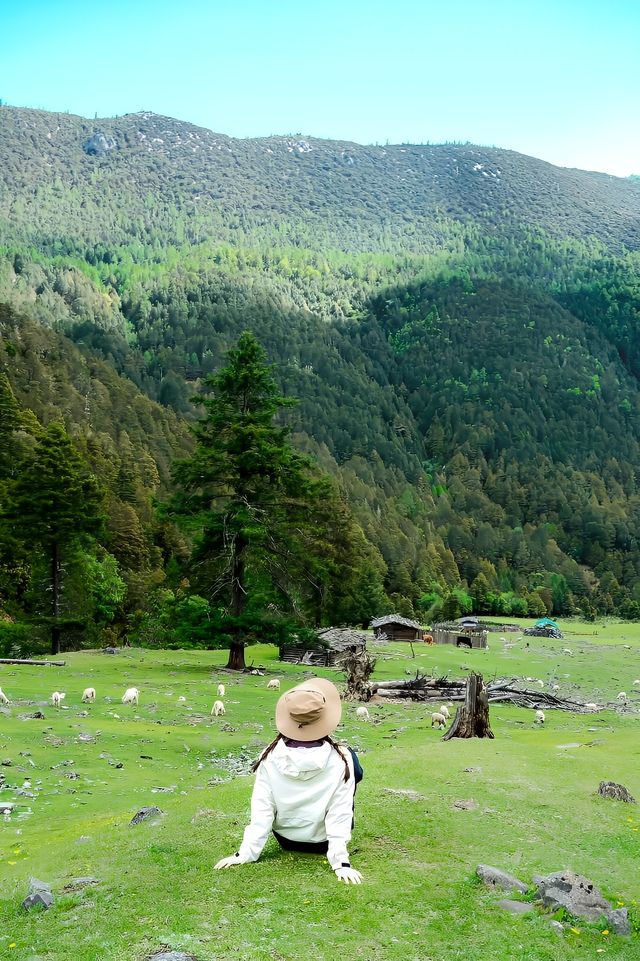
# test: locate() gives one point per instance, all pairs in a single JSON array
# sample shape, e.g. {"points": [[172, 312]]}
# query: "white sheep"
{"points": [[3, 697], [539, 717], [443, 709], [274, 684], [622, 696], [57, 698], [88, 695], [363, 713], [438, 720], [555, 687], [636, 683], [221, 690], [218, 708], [131, 696], [568, 651]]}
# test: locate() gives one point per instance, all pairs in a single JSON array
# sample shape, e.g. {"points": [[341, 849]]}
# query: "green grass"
{"points": [[537, 812]]}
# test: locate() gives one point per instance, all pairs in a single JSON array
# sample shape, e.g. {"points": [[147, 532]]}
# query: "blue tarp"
{"points": [[547, 622]]}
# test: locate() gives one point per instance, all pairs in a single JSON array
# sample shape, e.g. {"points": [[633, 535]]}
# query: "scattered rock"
{"points": [[7, 762], [616, 791], [581, 898], [494, 877], [472, 770], [36, 716], [86, 738], [172, 956], [109, 650], [40, 895], [557, 926], [144, 814], [412, 795], [77, 884], [97, 146], [516, 907], [6, 807], [470, 805]]}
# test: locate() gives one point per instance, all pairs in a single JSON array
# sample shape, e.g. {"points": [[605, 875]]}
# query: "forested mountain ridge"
{"points": [[68, 182], [459, 324]]}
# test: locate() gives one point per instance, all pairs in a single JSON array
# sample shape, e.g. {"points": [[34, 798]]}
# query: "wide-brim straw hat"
{"points": [[309, 711]]}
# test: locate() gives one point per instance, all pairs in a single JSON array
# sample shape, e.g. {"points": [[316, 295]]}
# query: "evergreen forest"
{"points": [[448, 339]]}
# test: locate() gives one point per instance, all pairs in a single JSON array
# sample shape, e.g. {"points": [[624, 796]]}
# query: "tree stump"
{"points": [[358, 665], [472, 717], [616, 791]]}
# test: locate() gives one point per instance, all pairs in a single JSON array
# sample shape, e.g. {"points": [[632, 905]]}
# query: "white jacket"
{"points": [[300, 792]]}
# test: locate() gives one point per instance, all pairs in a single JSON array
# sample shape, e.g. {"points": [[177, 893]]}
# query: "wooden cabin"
{"points": [[331, 643], [393, 627]]}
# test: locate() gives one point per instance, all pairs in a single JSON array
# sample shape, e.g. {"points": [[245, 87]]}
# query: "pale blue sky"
{"points": [[555, 79]]}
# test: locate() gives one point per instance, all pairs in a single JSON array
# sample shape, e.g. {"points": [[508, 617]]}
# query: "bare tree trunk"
{"points": [[472, 717], [55, 597], [358, 665], [238, 595]]}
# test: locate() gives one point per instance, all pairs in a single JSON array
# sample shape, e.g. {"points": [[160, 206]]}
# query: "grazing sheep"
{"points": [[88, 695], [622, 696], [273, 685], [636, 683], [438, 720], [57, 697], [221, 690], [3, 697], [363, 713], [218, 708], [130, 696], [443, 709], [539, 717]]}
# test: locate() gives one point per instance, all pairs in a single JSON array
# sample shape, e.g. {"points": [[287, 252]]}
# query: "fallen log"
{"points": [[499, 691]]}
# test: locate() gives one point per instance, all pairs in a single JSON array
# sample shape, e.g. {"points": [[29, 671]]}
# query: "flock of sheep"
{"points": [[132, 695]]}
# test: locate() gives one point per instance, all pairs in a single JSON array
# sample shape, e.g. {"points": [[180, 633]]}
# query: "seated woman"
{"points": [[305, 783]]}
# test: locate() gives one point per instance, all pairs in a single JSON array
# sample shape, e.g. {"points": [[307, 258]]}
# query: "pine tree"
{"points": [[54, 505], [259, 510]]}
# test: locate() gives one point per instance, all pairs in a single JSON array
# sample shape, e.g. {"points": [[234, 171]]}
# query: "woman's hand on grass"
{"points": [[349, 875], [228, 862]]}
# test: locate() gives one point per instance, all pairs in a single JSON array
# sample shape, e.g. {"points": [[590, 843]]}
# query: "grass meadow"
{"points": [[534, 789]]}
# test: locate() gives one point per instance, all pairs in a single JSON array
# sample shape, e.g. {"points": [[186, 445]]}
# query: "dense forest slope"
{"points": [[459, 324], [142, 176]]}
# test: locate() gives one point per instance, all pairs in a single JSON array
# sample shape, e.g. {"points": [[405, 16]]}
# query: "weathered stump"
{"points": [[472, 717], [616, 791], [358, 665]]}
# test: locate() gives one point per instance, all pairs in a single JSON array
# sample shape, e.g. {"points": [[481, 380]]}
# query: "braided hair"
{"points": [[280, 737]]}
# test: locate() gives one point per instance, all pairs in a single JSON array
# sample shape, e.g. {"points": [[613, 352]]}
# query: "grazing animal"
{"points": [[218, 708], [539, 717], [443, 709], [622, 696], [131, 696], [363, 713], [636, 683], [57, 698], [273, 685], [438, 720], [3, 697], [88, 695], [221, 690]]}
